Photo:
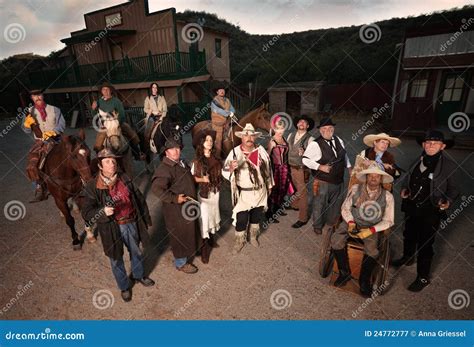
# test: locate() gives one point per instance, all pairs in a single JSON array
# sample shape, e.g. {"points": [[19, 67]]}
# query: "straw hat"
{"points": [[374, 169], [248, 130], [370, 139]]}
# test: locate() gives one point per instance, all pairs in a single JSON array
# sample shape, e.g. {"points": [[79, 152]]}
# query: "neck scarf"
{"points": [[42, 110], [108, 181]]}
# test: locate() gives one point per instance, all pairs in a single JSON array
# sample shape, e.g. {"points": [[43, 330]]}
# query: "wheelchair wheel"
{"points": [[380, 274], [327, 255]]}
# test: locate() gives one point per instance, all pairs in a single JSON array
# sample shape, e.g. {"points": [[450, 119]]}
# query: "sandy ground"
{"points": [[41, 277]]}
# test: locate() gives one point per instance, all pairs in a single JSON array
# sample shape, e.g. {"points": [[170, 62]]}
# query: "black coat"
{"points": [[443, 185], [95, 199], [170, 180]]}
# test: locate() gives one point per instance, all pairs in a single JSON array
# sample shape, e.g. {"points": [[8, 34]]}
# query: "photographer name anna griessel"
{"points": [[442, 333]]}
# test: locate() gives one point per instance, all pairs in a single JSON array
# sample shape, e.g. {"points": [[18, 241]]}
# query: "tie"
{"points": [[378, 160], [331, 144]]}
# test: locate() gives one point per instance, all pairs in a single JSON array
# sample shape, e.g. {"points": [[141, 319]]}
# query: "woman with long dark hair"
{"points": [[206, 169]]}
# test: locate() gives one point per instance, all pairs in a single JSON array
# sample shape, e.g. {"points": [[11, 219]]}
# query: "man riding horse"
{"points": [[221, 113], [47, 123], [109, 104]]}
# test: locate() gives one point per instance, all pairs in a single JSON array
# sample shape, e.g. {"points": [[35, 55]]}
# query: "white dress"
{"points": [[210, 216]]}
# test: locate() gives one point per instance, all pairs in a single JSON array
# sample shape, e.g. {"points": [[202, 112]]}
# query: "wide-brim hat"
{"points": [[325, 121], [107, 153], [35, 92], [107, 85], [374, 169], [370, 139], [306, 118], [248, 130], [172, 143], [435, 135], [220, 85], [203, 134]]}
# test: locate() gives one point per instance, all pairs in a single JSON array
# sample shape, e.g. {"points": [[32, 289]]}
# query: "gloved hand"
{"points": [[233, 117], [29, 121], [363, 233], [350, 226], [48, 134]]}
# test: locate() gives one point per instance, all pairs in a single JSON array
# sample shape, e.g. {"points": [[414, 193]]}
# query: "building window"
{"points": [[453, 89], [218, 48], [419, 86], [403, 91]]}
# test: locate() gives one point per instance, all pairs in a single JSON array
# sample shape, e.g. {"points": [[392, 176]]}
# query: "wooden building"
{"points": [[131, 48]]}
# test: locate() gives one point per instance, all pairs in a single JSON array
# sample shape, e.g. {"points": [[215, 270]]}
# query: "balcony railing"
{"points": [[127, 70]]}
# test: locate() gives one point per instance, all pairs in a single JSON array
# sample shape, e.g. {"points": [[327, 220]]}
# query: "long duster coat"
{"points": [[170, 180], [96, 197]]}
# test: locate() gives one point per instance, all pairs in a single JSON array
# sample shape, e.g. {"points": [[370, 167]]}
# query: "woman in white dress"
{"points": [[206, 169]]}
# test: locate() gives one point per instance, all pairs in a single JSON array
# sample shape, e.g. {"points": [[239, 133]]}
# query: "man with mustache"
{"points": [[248, 169]]}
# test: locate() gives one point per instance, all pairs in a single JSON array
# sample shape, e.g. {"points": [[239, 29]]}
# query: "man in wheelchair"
{"points": [[367, 210]]}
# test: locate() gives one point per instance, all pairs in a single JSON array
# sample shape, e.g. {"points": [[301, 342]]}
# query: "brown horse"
{"points": [[259, 118], [65, 170]]}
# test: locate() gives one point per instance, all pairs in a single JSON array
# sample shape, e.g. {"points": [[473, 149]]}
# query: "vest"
{"points": [[336, 176], [293, 148], [368, 215]]}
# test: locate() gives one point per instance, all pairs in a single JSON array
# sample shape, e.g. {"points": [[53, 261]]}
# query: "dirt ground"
{"points": [[41, 277]]}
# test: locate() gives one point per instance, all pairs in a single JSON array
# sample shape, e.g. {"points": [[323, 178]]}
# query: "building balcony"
{"points": [[167, 66]]}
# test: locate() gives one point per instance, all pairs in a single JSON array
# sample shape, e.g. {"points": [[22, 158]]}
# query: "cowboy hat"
{"points": [[35, 92], [374, 169], [306, 118], [370, 139], [247, 130], [172, 143], [106, 84], [107, 153], [325, 121], [435, 135], [203, 134], [220, 85]]}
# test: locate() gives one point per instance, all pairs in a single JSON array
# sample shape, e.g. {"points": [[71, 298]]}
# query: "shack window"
{"points": [[218, 48]]}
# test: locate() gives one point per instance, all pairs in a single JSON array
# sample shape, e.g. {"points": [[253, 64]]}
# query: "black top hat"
{"points": [[36, 92], [173, 143], [325, 121], [306, 118], [202, 134], [435, 135]]}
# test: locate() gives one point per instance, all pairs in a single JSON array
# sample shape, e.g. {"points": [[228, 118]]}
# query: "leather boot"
{"points": [[41, 193], [239, 243], [205, 251], [423, 268], [343, 266], [213, 241], [254, 232], [365, 284]]}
